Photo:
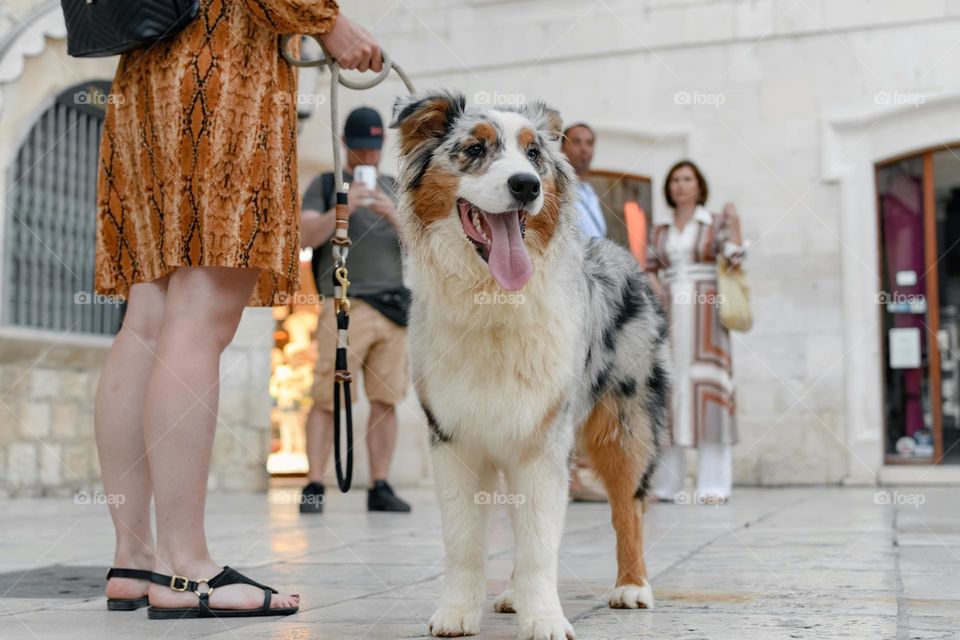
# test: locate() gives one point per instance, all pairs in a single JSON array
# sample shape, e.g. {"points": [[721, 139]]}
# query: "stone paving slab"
{"points": [[789, 563]]}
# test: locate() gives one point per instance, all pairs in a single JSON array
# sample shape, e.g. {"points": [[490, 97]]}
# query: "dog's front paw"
{"points": [[631, 596], [504, 602], [546, 627], [454, 621]]}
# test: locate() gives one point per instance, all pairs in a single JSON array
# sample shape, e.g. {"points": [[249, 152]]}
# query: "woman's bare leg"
{"points": [[118, 423], [203, 309]]}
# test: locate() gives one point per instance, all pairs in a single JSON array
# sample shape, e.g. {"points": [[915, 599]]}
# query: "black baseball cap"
{"points": [[363, 129]]}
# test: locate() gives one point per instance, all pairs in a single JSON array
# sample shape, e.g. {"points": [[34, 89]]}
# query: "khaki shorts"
{"points": [[376, 345]]}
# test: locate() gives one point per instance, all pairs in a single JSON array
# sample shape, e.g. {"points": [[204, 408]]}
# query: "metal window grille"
{"points": [[51, 219]]}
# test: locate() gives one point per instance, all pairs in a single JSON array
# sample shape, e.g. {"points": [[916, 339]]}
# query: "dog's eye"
{"points": [[475, 150], [533, 154]]}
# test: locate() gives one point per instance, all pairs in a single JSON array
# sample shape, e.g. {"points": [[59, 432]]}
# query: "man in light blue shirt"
{"points": [[578, 142]]}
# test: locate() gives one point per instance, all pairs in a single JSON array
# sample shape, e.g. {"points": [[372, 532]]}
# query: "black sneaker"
{"points": [[311, 498], [382, 498]]}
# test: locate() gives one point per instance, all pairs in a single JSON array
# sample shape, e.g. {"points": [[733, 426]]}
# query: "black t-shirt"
{"points": [[374, 259]]}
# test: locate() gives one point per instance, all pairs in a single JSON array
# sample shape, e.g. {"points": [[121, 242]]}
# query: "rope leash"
{"points": [[341, 243]]}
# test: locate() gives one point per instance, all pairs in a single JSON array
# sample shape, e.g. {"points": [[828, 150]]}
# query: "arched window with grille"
{"points": [[51, 219]]}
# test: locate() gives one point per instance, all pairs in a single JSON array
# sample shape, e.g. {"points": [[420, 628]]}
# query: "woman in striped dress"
{"points": [[683, 256]]}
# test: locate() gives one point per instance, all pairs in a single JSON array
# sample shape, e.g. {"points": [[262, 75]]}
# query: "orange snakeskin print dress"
{"points": [[199, 150]]}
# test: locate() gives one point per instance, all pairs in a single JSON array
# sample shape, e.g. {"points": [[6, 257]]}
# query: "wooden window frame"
{"points": [[932, 294]]}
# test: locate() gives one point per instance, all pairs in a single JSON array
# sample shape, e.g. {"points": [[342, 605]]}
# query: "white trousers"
{"points": [[714, 471]]}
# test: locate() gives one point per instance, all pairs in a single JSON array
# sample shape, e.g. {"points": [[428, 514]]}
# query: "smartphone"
{"points": [[367, 174]]}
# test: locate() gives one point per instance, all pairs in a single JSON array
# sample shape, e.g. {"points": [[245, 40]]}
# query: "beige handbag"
{"points": [[733, 294]]}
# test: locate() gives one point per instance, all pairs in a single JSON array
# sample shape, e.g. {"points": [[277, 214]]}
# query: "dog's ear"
{"points": [[547, 120], [426, 115]]}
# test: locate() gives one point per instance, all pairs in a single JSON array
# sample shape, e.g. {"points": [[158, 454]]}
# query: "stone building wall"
{"points": [[47, 387]]}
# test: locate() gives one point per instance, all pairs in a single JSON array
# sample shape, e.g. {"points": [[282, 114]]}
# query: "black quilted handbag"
{"points": [[98, 28]]}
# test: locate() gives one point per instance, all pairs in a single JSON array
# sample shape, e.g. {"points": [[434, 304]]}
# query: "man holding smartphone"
{"points": [[378, 312]]}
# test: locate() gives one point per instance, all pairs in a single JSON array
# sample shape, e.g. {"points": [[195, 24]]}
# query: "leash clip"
{"points": [[342, 302]]}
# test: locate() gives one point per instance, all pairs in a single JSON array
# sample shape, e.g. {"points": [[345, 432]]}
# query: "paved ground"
{"points": [[792, 563]]}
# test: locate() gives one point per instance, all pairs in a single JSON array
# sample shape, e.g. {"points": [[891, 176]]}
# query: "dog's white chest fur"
{"points": [[493, 379]]}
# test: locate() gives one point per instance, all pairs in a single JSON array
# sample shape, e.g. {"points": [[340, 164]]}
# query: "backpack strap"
{"points": [[328, 188]]}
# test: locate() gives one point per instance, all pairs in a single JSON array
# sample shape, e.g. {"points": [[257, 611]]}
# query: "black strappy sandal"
{"points": [[226, 577], [128, 604]]}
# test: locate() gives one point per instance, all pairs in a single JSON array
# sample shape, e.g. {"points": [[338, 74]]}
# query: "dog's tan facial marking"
{"points": [[542, 227], [485, 132], [436, 195], [477, 148], [430, 120], [526, 137]]}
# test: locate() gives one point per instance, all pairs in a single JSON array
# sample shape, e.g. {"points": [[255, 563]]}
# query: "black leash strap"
{"points": [[341, 374], [341, 380]]}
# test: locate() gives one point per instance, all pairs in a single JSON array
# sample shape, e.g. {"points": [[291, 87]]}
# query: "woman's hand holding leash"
{"points": [[352, 46]]}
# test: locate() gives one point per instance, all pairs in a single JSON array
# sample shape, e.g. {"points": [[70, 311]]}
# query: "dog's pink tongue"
{"points": [[509, 262]]}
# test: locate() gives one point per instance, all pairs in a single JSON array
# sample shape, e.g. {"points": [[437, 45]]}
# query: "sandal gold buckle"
{"points": [[203, 593], [179, 583]]}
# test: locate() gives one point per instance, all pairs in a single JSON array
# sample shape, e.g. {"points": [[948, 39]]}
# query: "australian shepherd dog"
{"points": [[526, 339]]}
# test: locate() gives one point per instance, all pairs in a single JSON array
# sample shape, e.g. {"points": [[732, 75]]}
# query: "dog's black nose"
{"points": [[525, 187]]}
